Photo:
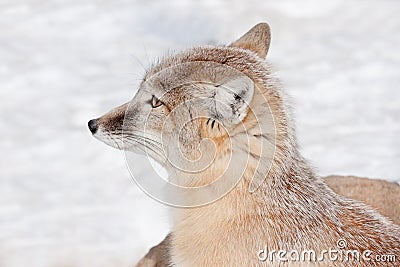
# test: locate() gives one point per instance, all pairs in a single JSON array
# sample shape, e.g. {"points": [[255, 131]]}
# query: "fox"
{"points": [[218, 120]]}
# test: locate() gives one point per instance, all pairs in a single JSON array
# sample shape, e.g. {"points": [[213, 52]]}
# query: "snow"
{"points": [[68, 200]]}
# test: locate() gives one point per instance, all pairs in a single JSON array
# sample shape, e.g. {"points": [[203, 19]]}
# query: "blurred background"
{"points": [[68, 200]]}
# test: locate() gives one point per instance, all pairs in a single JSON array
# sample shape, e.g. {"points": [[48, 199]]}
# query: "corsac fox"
{"points": [[219, 122]]}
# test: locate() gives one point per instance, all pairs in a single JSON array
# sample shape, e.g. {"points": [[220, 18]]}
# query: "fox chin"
{"points": [[216, 110]]}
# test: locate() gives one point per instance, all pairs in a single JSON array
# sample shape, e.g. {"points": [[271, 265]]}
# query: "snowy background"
{"points": [[67, 200]]}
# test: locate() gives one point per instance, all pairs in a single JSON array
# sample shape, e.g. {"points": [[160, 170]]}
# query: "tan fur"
{"points": [[256, 39], [157, 256], [381, 195], [292, 208]]}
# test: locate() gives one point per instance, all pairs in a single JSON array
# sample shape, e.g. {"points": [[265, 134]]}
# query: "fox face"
{"points": [[192, 108], [203, 103]]}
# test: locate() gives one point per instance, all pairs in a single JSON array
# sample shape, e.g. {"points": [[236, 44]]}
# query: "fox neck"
{"points": [[290, 185], [281, 180], [275, 172], [291, 200]]}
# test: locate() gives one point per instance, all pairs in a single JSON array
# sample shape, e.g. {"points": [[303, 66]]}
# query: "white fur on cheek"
{"points": [[114, 141]]}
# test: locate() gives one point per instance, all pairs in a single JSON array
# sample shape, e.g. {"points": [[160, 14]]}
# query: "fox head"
{"points": [[195, 107]]}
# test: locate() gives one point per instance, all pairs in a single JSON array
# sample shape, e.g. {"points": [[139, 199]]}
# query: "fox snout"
{"points": [[108, 128], [93, 125], [109, 122]]}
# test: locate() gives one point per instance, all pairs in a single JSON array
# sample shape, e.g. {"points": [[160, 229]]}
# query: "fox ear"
{"points": [[231, 100], [257, 39]]}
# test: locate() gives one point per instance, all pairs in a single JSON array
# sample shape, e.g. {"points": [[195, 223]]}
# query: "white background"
{"points": [[67, 200]]}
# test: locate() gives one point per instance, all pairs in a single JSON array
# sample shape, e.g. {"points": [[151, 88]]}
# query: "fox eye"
{"points": [[155, 102]]}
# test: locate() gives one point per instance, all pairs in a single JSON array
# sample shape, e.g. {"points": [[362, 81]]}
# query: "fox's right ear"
{"points": [[257, 40], [231, 100]]}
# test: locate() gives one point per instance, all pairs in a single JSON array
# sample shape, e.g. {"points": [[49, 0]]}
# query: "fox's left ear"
{"points": [[257, 39], [231, 100]]}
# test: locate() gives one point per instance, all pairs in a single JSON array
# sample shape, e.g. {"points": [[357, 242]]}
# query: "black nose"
{"points": [[93, 126]]}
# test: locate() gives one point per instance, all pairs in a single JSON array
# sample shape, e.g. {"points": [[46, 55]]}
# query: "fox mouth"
{"points": [[103, 136], [126, 141]]}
